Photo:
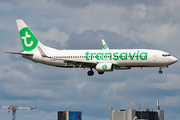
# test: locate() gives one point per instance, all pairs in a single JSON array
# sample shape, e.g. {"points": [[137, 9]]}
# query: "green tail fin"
{"points": [[29, 40]]}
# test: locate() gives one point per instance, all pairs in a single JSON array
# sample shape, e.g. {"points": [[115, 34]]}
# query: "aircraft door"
{"points": [[155, 57]]}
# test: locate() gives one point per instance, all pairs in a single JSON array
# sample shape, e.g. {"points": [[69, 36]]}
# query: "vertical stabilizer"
{"points": [[20, 24], [28, 39]]}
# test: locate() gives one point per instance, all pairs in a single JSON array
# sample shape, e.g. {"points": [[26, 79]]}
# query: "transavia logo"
{"points": [[117, 55], [29, 41], [104, 67], [105, 46]]}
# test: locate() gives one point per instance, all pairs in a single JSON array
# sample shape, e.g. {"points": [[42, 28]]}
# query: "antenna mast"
{"points": [[111, 108], [158, 105]]}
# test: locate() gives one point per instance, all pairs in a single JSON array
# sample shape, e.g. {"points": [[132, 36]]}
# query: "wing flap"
{"points": [[80, 64]]}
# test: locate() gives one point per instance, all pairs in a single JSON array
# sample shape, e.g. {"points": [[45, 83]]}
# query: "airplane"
{"points": [[14, 109], [102, 60]]}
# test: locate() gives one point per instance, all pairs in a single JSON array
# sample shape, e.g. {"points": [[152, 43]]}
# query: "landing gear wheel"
{"points": [[160, 71], [90, 73], [100, 73]]}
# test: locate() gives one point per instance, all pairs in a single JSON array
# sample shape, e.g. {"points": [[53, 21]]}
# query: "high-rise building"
{"points": [[69, 115], [136, 115]]}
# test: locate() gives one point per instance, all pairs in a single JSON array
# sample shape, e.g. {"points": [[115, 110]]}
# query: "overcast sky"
{"points": [[81, 24]]}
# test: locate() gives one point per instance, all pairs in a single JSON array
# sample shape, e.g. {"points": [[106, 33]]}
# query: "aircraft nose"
{"points": [[173, 60]]}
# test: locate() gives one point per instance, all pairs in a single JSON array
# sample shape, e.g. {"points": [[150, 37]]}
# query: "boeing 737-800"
{"points": [[103, 60]]}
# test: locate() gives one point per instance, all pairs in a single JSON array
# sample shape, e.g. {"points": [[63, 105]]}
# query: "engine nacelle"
{"points": [[104, 67]]}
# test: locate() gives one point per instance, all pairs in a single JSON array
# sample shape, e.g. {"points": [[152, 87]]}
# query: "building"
{"points": [[136, 115], [69, 115]]}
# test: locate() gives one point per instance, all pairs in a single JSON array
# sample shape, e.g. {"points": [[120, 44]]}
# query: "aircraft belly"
{"points": [[160, 62], [46, 61], [134, 63], [54, 62]]}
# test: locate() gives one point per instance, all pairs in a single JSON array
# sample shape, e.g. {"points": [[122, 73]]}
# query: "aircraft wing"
{"points": [[74, 63], [77, 63]]}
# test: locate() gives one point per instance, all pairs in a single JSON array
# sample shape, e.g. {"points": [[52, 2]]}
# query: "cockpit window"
{"points": [[165, 55]]}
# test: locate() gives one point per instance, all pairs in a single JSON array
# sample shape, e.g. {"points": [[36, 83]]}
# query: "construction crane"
{"points": [[14, 109]]}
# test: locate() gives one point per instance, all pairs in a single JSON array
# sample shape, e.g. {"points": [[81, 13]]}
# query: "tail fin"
{"points": [[29, 40]]}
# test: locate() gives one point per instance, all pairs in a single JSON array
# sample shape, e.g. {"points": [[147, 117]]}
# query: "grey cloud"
{"points": [[82, 3], [53, 44], [92, 40]]}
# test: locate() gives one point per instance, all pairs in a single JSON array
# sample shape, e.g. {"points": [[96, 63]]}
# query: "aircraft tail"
{"points": [[29, 41]]}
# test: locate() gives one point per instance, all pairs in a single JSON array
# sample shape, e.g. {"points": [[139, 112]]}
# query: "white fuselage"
{"points": [[103, 60], [119, 57]]}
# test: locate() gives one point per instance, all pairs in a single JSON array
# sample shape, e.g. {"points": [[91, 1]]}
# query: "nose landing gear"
{"points": [[160, 71]]}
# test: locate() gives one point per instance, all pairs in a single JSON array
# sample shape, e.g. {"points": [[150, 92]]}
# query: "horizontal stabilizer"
{"points": [[19, 53]]}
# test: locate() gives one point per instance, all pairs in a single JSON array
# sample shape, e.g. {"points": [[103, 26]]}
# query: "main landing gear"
{"points": [[90, 73], [160, 71], [100, 73]]}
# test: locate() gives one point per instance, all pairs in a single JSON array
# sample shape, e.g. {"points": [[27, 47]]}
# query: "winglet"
{"points": [[105, 47]]}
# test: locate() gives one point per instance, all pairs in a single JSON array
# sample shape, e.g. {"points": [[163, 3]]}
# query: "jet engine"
{"points": [[104, 67]]}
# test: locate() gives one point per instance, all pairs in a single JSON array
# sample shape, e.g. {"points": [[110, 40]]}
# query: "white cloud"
{"points": [[113, 87], [171, 101], [6, 7], [161, 35], [53, 34], [171, 83], [81, 85]]}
